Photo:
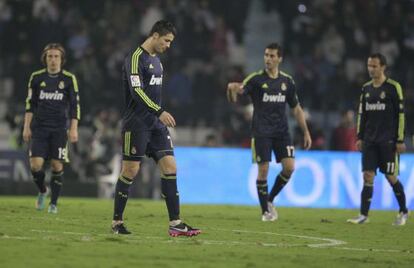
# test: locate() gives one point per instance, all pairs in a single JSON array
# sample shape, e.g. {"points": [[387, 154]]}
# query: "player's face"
{"points": [[53, 60], [375, 69], [163, 42], [271, 58]]}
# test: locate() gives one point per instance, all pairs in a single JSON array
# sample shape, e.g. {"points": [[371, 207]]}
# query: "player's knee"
{"points": [[288, 171], [56, 166], [263, 171], [369, 177], [130, 170], [35, 167]]}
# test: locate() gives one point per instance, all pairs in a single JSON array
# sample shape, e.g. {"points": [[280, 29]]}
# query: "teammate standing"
{"points": [[380, 130], [53, 95], [270, 90], [145, 128]]}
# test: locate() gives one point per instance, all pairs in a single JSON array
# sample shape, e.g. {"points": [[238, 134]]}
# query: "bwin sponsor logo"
{"points": [[155, 80], [51, 95], [274, 98], [375, 106]]}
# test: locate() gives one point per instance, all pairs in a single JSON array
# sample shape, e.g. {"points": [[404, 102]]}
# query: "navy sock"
{"points": [[400, 195], [366, 196], [262, 193], [280, 182], [39, 180], [171, 196], [56, 185], [121, 196]]}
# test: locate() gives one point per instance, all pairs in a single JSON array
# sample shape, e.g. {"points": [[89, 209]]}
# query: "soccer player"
{"points": [[270, 90], [145, 128], [53, 96], [380, 130]]}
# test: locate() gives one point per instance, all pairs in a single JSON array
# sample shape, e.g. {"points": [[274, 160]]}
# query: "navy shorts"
{"points": [[382, 156], [49, 144], [154, 143], [262, 148]]}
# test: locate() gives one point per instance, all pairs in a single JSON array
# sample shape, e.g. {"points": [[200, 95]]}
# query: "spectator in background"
{"points": [[344, 135]]}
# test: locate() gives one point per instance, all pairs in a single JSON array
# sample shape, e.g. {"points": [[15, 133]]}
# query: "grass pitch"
{"points": [[233, 236]]}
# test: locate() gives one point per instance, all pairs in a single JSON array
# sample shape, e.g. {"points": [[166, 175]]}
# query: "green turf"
{"points": [[233, 236]]}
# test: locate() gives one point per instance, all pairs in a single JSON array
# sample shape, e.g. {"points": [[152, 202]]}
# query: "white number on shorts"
{"points": [[62, 153], [390, 167], [290, 151]]}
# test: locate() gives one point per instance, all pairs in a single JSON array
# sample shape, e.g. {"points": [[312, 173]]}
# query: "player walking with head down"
{"points": [[380, 130], [270, 90], [145, 128], [53, 93]]}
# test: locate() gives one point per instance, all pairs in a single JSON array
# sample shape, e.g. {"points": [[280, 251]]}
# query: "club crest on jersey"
{"points": [[283, 87], [265, 86], [61, 85], [367, 95], [135, 81], [151, 66], [382, 95], [43, 84], [155, 80], [133, 150]]}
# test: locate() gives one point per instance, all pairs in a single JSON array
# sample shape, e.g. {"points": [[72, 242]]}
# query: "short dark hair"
{"points": [[276, 46], [53, 46], [380, 57], [163, 27]]}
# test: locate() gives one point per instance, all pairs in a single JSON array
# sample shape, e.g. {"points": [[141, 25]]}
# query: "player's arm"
{"points": [[361, 120], [74, 109], [31, 105], [234, 89], [133, 70], [399, 106], [300, 118]]}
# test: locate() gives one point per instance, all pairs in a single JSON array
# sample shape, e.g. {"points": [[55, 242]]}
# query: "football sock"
{"points": [[366, 196], [170, 194], [262, 193], [39, 180], [121, 196], [400, 195], [281, 181], [56, 182]]}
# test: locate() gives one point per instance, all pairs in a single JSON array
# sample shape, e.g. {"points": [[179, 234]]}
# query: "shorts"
{"points": [[49, 144], [382, 156], [262, 148], [155, 143]]}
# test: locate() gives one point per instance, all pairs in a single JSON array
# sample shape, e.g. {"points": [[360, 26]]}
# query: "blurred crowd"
{"points": [[326, 45]]}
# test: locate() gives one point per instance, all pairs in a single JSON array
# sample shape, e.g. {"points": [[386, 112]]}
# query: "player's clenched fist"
{"points": [[233, 89]]}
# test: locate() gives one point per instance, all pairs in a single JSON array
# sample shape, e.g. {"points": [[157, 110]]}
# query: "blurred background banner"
{"points": [[227, 176], [321, 179]]}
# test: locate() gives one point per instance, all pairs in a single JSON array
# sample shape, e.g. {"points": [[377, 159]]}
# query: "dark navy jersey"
{"points": [[269, 97], [142, 83], [381, 113], [52, 98]]}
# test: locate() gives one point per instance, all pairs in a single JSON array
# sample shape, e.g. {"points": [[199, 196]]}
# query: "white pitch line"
{"points": [[330, 243]]}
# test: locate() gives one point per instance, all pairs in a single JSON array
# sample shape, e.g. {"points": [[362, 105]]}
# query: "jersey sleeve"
{"points": [[74, 101], [249, 83], [361, 116], [291, 96], [32, 94], [134, 71], [399, 111]]}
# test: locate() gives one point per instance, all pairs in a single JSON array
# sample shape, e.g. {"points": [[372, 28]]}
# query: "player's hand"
{"points": [[27, 134], [359, 145], [73, 135], [400, 147], [307, 141], [167, 119], [233, 89]]}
